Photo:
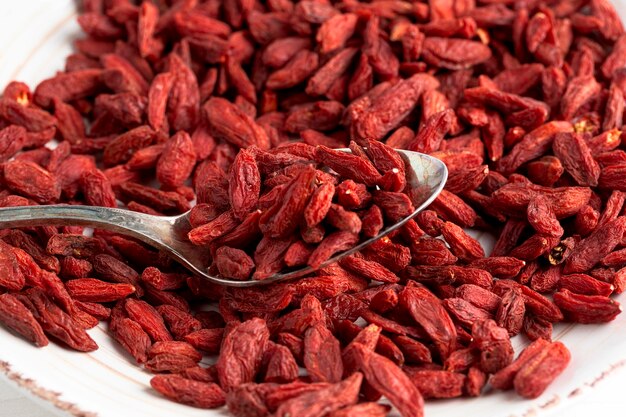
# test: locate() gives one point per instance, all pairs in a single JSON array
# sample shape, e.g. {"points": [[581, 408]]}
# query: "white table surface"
{"points": [[15, 404]]}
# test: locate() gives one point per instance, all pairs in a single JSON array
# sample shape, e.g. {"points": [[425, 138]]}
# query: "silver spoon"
{"points": [[169, 233]]}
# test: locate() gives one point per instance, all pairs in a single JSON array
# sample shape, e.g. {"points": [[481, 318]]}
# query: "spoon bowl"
{"points": [[426, 178]]}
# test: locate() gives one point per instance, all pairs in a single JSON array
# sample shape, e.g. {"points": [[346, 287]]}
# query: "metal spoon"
{"points": [[169, 233]]}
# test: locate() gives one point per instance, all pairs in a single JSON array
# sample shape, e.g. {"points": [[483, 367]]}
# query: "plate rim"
{"points": [[47, 398]]}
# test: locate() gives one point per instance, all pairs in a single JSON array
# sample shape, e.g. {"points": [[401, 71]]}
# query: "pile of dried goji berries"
{"points": [[523, 100], [295, 223]]}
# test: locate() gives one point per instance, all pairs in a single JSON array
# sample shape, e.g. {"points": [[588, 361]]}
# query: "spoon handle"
{"points": [[147, 228]]}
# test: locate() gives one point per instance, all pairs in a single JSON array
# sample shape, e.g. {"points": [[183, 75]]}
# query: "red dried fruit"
{"points": [[503, 379], [12, 276], [511, 311], [282, 366], [214, 229], [545, 280], [205, 340], [369, 409], [298, 254], [321, 83], [298, 69], [111, 269], [333, 243], [15, 316], [475, 382], [269, 256], [96, 291], [335, 31], [429, 251], [388, 379], [541, 369], [125, 108], [585, 284], [157, 100], [593, 248], [132, 337], [454, 209], [426, 309], [437, 384], [97, 189], [461, 244], [121, 148], [56, 322], [31, 247], [576, 158], [162, 281], [189, 392], [75, 268], [284, 216], [431, 133], [368, 269], [318, 115], [513, 199], [542, 218], [230, 123], [453, 53], [390, 325], [465, 312], [372, 222], [32, 181], [148, 318], [244, 184], [200, 374], [74, 245], [319, 204], [395, 206], [429, 222], [297, 321], [392, 106], [378, 50], [615, 258], [145, 158], [169, 362], [392, 256], [342, 219], [536, 328], [69, 86], [233, 263], [578, 92], [322, 400], [464, 180], [586, 308], [241, 353], [184, 99], [499, 266], [177, 161], [12, 139], [533, 145], [280, 51], [494, 345], [322, 355], [384, 301], [545, 171], [478, 296], [179, 322]]}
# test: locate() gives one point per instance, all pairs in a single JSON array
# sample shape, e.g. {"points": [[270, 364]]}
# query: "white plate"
{"points": [[35, 38]]}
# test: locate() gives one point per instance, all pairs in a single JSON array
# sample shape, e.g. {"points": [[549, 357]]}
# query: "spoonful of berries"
{"points": [[282, 214]]}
